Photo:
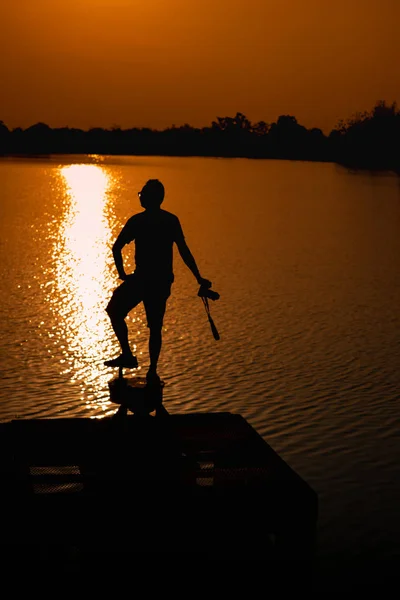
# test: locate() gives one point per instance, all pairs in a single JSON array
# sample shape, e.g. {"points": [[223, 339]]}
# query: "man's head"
{"points": [[152, 194]]}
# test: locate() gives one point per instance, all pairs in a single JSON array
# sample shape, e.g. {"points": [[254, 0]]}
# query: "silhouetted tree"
{"points": [[260, 128], [232, 124], [369, 139], [4, 137], [38, 139]]}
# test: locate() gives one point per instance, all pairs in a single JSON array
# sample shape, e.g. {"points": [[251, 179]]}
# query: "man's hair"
{"points": [[153, 193]]}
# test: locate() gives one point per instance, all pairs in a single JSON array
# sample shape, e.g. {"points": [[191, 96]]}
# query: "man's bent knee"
{"points": [[113, 311], [110, 309]]}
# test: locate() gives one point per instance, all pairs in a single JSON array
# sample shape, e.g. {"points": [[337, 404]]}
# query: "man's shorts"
{"points": [[132, 291]]}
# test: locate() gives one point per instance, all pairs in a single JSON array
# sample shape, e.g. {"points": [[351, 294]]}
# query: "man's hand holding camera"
{"points": [[205, 291]]}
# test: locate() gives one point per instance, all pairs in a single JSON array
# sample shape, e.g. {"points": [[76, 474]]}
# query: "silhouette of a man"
{"points": [[154, 231]]}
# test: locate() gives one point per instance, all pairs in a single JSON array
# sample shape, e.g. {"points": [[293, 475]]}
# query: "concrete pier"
{"points": [[201, 484]]}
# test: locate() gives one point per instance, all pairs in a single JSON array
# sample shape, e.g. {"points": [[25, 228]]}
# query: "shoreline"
{"points": [[351, 166]]}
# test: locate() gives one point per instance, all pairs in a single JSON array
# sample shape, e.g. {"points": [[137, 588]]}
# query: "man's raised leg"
{"points": [[117, 312]]}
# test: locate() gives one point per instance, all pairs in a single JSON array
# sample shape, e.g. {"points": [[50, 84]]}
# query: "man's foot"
{"points": [[152, 378], [123, 360]]}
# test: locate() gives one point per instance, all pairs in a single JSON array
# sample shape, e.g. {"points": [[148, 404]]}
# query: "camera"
{"points": [[205, 292]]}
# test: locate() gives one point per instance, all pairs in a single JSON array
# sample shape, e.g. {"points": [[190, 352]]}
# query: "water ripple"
{"points": [[309, 317]]}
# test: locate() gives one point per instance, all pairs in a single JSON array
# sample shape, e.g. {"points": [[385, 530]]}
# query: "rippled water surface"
{"points": [[306, 259]]}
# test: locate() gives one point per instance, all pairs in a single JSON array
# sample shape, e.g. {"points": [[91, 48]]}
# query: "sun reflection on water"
{"points": [[83, 277]]}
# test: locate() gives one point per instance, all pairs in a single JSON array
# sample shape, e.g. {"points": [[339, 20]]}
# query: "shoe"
{"points": [[129, 362]]}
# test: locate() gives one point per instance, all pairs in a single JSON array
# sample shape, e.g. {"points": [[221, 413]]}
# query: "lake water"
{"points": [[306, 259]]}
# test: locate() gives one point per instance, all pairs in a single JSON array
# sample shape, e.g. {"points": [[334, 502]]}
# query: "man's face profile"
{"points": [[143, 195], [151, 195]]}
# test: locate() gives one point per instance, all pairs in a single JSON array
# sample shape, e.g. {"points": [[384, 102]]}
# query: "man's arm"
{"points": [[124, 238], [189, 261], [116, 249]]}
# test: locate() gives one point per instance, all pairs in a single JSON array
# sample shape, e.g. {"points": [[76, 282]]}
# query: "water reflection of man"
{"points": [[154, 231]]}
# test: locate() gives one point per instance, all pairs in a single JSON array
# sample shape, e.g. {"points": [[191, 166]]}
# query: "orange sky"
{"points": [[152, 63]]}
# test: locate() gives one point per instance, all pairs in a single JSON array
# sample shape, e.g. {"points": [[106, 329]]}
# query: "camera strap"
{"points": [[213, 328]]}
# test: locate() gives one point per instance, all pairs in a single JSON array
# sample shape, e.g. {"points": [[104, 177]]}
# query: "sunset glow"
{"points": [[83, 280], [104, 62]]}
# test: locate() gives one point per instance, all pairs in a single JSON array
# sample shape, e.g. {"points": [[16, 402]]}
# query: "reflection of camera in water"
{"points": [[205, 292]]}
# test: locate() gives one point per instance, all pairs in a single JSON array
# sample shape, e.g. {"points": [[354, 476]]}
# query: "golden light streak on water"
{"points": [[83, 278]]}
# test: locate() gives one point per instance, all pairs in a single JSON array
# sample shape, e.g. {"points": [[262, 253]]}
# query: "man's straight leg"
{"points": [[155, 342], [155, 302]]}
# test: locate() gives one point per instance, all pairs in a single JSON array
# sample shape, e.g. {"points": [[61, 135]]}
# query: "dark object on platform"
{"points": [[136, 394], [200, 485]]}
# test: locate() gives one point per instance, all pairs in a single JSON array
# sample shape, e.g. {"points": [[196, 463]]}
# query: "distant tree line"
{"points": [[367, 140]]}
